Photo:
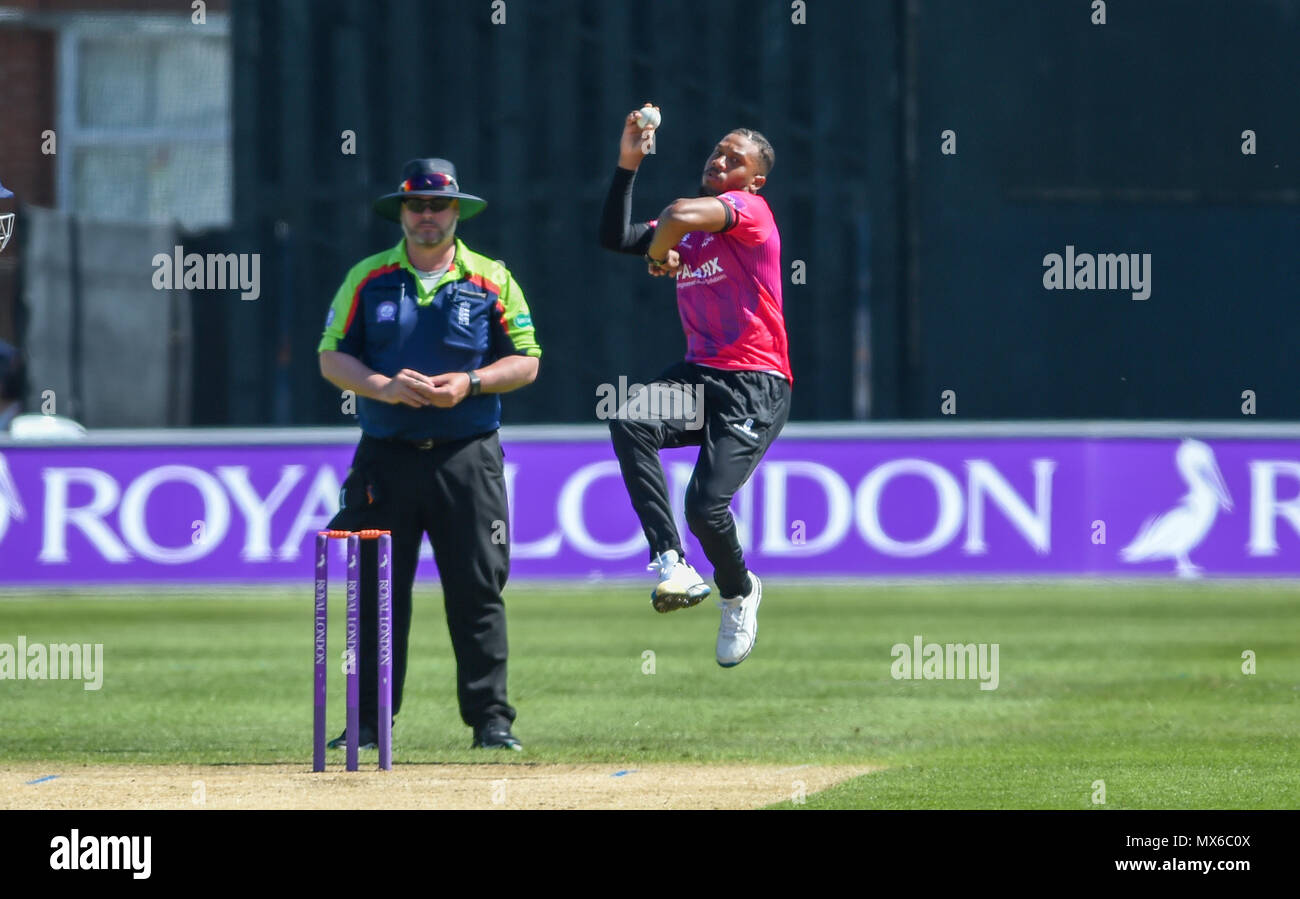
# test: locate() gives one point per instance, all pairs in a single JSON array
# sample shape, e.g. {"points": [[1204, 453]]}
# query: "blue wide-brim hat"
{"points": [[428, 178], [5, 193]]}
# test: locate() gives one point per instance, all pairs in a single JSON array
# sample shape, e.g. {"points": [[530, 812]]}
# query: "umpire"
{"points": [[426, 335]]}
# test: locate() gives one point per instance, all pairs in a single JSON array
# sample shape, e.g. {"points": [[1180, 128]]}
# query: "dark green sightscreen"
{"points": [[923, 270]]}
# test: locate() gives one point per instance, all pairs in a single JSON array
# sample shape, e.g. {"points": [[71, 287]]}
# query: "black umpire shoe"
{"points": [[495, 735], [368, 739]]}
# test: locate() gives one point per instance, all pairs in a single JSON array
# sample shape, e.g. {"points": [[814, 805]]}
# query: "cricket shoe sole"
{"points": [[680, 586], [671, 600]]}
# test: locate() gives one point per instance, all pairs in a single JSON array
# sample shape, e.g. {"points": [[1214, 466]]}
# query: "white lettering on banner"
{"points": [[547, 547], [1265, 509], [1035, 525], [88, 518], [571, 518], [946, 525], [776, 517], [115, 520], [319, 505], [258, 512], [216, 514]]}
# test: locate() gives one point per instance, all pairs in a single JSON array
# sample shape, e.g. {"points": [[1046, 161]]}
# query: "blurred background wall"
{"points": [[115, 135], [923, 269]]}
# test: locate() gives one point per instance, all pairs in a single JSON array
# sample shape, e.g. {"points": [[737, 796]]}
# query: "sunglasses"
{"points": [[435, 205]]}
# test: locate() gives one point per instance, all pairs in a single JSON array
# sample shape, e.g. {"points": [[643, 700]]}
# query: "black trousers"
{"points": [[456, 494], [743, 412]]}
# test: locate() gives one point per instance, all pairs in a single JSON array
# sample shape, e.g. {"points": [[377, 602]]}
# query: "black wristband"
{"points": [[475, 384]]}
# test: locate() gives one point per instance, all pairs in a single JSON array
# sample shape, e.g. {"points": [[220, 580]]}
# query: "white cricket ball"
{"points": [[648, 117]]}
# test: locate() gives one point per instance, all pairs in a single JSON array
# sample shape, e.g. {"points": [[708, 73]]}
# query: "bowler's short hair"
{"points": [[766, 155]]}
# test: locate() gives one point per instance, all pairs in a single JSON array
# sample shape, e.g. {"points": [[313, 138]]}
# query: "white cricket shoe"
{"points": [[680, 586], [739, 626]]}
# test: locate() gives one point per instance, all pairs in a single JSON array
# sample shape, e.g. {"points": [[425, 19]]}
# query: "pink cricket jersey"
{"points": [[729, 292]]}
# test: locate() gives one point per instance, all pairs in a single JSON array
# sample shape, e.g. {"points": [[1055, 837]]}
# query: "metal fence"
{"points": [[103, 348]]}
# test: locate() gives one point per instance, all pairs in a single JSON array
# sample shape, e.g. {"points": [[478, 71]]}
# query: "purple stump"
{"points": [[320, 654], [352, 662], [385, 652]]}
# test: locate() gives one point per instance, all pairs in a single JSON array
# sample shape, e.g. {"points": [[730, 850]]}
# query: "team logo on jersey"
{"points": [[386, 312], [523, 321], [707, 269], [329, 317]]}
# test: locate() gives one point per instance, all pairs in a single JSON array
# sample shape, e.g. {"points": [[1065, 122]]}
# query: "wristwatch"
{"points": [[653, 261], [475, 383]]}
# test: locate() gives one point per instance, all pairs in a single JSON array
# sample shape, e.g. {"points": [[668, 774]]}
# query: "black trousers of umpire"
{"points": [[456, 494], [744, 411]]}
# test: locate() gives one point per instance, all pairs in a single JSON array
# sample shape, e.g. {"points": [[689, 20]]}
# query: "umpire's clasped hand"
{"points": [[412, 388], [449, 388]]}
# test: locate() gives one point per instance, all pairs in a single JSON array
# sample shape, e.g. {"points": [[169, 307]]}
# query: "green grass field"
{"points": [[1139, 686]]}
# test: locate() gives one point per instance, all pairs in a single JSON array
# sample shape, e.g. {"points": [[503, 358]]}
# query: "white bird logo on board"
{"points": [[11, 504], [1180, 530]]}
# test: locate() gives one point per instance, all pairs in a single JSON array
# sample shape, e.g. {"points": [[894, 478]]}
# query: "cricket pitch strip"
{"points": [[54, 785]]}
